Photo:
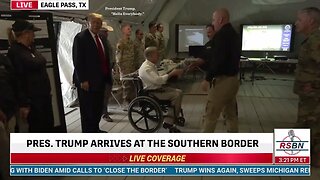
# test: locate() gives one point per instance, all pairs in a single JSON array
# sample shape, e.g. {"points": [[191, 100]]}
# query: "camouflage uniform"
{"points": [[161, 47], [308, 72], [139, 49], [151, 40], [127, 64]]}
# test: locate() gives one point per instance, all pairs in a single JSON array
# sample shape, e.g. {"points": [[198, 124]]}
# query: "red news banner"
{"points": [[24, 5], [49, 4], [141, 158]]}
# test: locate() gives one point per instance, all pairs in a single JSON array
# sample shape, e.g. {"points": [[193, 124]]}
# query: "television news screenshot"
{"points": [[159, 89]]}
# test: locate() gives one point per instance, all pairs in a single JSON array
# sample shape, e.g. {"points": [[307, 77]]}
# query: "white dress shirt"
{"points": [[150, 77], [94, 38]]}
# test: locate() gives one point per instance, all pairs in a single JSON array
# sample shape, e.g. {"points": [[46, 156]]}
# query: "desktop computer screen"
{"points": [[267, 37], [190, 35]]}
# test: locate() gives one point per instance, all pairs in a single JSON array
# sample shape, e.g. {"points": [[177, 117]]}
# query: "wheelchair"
{"points": [[146, 112]]}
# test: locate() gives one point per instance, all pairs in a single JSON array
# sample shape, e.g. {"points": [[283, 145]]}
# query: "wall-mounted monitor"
{"points": [[190, 35], [268, 37]]}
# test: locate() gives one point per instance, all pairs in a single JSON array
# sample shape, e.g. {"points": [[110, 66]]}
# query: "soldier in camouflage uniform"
{"points": [[307, 80], [161, 41], [151, 38], [125, 59], [139, 47]]}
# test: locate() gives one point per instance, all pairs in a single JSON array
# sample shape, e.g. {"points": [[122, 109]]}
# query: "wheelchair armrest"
{"points": [[154, 90]]}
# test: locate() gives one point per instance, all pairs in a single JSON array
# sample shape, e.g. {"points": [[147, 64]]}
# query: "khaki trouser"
{"points": [[222, 96], [175, 96], [5, 129], [128, 93], [23, 125]]}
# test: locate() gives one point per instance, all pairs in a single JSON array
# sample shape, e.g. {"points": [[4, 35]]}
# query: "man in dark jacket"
{"points": [[222, 73], [92, 72]]}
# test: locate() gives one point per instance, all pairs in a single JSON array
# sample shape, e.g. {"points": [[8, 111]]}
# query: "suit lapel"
{"points": [[93, 44], [91, 40]]}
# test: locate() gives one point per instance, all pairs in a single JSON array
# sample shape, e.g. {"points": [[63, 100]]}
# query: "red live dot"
{"points": [[24, 5]]}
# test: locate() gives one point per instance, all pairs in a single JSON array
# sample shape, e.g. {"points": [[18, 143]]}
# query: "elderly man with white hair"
{"points": [[153, 81]]}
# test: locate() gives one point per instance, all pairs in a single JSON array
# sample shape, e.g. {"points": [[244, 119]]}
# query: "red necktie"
{"points": [[102, 56]]}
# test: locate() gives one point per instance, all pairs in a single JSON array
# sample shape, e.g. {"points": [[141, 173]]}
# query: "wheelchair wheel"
{"points": [[145, 114]]}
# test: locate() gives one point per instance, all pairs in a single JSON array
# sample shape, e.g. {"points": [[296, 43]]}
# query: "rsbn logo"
{"points": [[291, 144]]}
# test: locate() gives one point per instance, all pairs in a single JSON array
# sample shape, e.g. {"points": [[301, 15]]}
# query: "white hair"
{"points": [[149, 51]]}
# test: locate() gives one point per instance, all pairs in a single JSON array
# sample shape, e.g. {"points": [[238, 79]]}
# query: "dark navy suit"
{"points": [[88, 67]]}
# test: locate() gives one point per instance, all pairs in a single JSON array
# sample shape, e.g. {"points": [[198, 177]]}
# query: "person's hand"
{"points": [[205, 85], [176, 72], [195, 64], [85, 85], [192, 66], [24, 112], [3, 117]]}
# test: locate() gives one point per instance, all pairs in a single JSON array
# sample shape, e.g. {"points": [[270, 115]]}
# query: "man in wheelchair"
{"points": [[153, 83]]}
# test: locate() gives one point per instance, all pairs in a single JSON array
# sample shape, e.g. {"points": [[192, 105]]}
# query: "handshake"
{"points": [[176, 73], [195, 64]]}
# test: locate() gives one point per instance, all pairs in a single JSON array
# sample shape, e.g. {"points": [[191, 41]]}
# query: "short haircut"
{"points": [[125, 25], [149, 51], [94, 15], [151, 24], [312, 12], [137, 31], [159, 25]]}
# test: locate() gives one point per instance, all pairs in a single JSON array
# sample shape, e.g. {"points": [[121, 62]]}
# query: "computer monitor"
{"points": [[267, 38], [190, 35]]}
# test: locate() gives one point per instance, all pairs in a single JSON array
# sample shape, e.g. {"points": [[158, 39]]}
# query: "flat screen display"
{"points": [[267, 37], [191, 35]]}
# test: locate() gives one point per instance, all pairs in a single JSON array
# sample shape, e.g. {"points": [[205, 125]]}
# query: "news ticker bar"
{"points": [[204, 170], [143, 158], [49, 4]]}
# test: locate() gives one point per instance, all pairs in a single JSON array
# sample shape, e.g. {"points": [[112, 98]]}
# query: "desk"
{"points": [[257, 62]]}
